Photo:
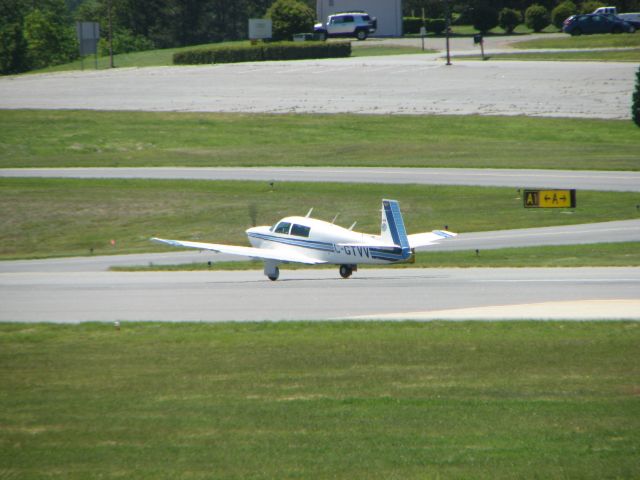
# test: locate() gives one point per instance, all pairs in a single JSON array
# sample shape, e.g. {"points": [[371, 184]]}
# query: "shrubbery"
{"points": [[433, 25], [562, 12], [485, 18], [590, 6], [536, 17], [262, 52], [290, 17], [509, 19]]}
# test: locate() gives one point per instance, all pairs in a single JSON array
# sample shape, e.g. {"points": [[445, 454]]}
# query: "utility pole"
{"points": [[110, 39], [448, 31]]}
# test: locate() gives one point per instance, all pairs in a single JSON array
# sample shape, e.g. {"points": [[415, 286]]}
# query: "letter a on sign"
{"points": [[530, 199]]}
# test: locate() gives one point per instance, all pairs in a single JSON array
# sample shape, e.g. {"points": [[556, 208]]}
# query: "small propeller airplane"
{"points": [[313, 242]]}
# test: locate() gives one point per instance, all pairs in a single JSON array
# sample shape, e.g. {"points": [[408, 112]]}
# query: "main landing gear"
{"points": [[347, 270]]}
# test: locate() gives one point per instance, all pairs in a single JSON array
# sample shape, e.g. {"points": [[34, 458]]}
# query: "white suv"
{"points": [[347, 24]]}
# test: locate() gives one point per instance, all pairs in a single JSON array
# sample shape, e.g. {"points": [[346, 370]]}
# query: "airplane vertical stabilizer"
{"points": [[392, 227]]}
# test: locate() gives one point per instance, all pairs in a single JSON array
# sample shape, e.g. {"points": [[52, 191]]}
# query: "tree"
{"points": [[590, 6], [13, 45], [51, 39], [562, 12], [290, 17], [635, 105], [536, 17], [484, 18], [509, 19]]}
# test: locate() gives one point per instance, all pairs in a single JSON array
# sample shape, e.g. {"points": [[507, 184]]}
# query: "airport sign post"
{"points": [[549, 199]]}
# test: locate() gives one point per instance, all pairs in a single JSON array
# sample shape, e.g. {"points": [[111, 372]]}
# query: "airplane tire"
{"points": [[275, 275], [345, 271]]}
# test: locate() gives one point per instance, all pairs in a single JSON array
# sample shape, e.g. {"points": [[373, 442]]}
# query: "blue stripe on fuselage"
{"points": [[324, 246]]}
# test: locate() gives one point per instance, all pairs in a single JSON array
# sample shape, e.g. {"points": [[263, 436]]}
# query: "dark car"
{"points": [[595, 23]]}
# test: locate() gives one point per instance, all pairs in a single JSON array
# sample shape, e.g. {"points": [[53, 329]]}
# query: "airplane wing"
{"points": [[258, 253], [429, 238]]}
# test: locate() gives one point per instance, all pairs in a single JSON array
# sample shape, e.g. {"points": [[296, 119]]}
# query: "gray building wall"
{"points": [[388, 13]]}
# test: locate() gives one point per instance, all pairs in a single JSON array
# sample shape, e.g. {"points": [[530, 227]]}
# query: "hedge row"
{"points": [[433, 25], [262, 52]]}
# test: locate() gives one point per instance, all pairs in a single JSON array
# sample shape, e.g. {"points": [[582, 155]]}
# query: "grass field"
{"points": [[560, 56], [164, 57], [583, 41], [326, 400], [83, 138], [58, 217]]}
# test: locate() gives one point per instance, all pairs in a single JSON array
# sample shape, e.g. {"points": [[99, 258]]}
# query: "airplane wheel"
{"points": [[345, 271], [275, 275]]}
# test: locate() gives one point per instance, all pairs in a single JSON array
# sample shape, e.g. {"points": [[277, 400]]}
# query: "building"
{"points": [[388, 13]]}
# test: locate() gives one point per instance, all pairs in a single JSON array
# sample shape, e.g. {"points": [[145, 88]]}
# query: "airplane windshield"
{"points": [[283, 227]]}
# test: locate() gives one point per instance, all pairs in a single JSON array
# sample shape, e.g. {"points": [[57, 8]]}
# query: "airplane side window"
{"points": [[283, 227], [300, 230]]}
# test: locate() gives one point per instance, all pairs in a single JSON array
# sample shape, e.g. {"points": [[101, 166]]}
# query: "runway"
{"points": [[318, 294], [516, 178]]}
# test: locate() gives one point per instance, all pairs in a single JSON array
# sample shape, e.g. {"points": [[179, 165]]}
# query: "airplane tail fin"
{"points": [[392, 228]]}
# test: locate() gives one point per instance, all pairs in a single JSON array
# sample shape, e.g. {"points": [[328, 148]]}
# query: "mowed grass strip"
{"points": [[323, 400], [62, 217], [632, 55], [127, 139], [583, 41]]}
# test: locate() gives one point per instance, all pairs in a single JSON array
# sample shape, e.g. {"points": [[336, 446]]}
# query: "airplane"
{"points": [[315, 242]]}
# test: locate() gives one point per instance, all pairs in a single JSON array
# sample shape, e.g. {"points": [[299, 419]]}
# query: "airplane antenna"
{"points": [[309, 212], [335, 218], [353, 225]]}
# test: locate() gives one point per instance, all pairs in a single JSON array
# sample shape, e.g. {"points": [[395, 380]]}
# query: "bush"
{"points": [[124, 41], [290, 17], [262, 52], [562, 12], [509, 19], [590, 6], [536, 17], [411, 24], [635, 105], [435, 25], [484, 18]]}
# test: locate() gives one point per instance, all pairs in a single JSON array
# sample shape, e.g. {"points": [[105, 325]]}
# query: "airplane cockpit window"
{"points": [[300, 230], [283, 227]]}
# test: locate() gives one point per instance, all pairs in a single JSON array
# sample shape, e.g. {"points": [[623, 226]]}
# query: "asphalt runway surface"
{"points": [[319, 294], [516, 178], [401, 84]]}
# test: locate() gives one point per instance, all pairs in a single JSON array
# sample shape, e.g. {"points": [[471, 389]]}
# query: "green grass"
{"points": [[624, 254], [324, 400], [584, 41], [595, 56], [36, 138], [164, 57], [371, 49], [59, 217], [149, 58]]}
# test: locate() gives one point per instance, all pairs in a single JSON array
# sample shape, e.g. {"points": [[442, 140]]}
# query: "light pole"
{"points": [[447, 13], [110, 38]]}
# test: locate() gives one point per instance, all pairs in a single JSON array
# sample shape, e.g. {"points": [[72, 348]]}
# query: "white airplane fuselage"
{"points": [[325, 241]]}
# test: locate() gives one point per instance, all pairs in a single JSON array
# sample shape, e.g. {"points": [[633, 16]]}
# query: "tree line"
{"points": [[39, 33]]}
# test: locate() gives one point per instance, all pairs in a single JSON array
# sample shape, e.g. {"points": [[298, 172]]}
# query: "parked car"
{"points": [[606, 10], [595, 23], [347, 24], [632, 18]]}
